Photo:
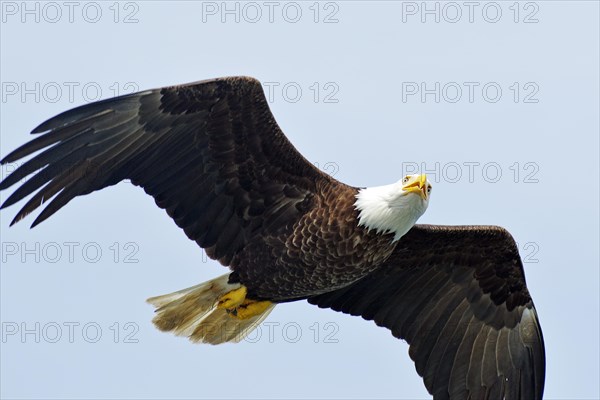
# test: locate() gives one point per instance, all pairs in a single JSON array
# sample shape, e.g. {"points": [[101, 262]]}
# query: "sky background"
{"points": [[498, 103]]}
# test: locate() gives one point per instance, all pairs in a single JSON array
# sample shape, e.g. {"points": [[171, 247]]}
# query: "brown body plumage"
{"points": [[323, 250], [212, 155]]}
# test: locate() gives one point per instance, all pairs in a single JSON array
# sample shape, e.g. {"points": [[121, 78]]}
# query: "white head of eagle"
{"points": [[394, 208]]}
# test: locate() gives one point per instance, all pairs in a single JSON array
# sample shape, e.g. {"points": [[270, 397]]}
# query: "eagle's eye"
{"points": [[406, 178]]}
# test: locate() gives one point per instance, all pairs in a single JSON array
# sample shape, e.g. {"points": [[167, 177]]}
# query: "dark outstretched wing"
{"points": [[457, 295], [210, 153]]}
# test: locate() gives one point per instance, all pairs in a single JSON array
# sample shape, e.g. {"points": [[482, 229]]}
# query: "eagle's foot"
{"points": [[232, 299], [248, 309]]}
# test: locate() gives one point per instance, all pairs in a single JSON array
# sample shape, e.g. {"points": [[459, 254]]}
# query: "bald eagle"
{"points": [[211, 154]]}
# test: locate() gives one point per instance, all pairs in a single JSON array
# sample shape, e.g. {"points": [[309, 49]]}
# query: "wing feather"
{"points": [[463, 307], [210, 153]]}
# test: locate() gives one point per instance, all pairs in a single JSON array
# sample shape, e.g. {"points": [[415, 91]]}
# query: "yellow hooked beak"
{"points": [[417, 184]]}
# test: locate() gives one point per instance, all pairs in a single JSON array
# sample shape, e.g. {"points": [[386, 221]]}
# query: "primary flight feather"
{"points": [[212, 155]]}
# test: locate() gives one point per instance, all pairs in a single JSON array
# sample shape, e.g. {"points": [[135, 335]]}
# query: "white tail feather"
{"points": [[193, 313]]}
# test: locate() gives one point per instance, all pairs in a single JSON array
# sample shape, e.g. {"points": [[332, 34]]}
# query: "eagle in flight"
{"points": [[212, 155]]}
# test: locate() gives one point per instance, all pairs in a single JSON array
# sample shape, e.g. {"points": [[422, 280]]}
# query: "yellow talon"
{"points": [[239, 307], [232, 299], [249, 309]]}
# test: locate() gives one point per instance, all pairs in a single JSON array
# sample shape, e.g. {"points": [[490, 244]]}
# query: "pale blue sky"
{"points": [[364, 120]]}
